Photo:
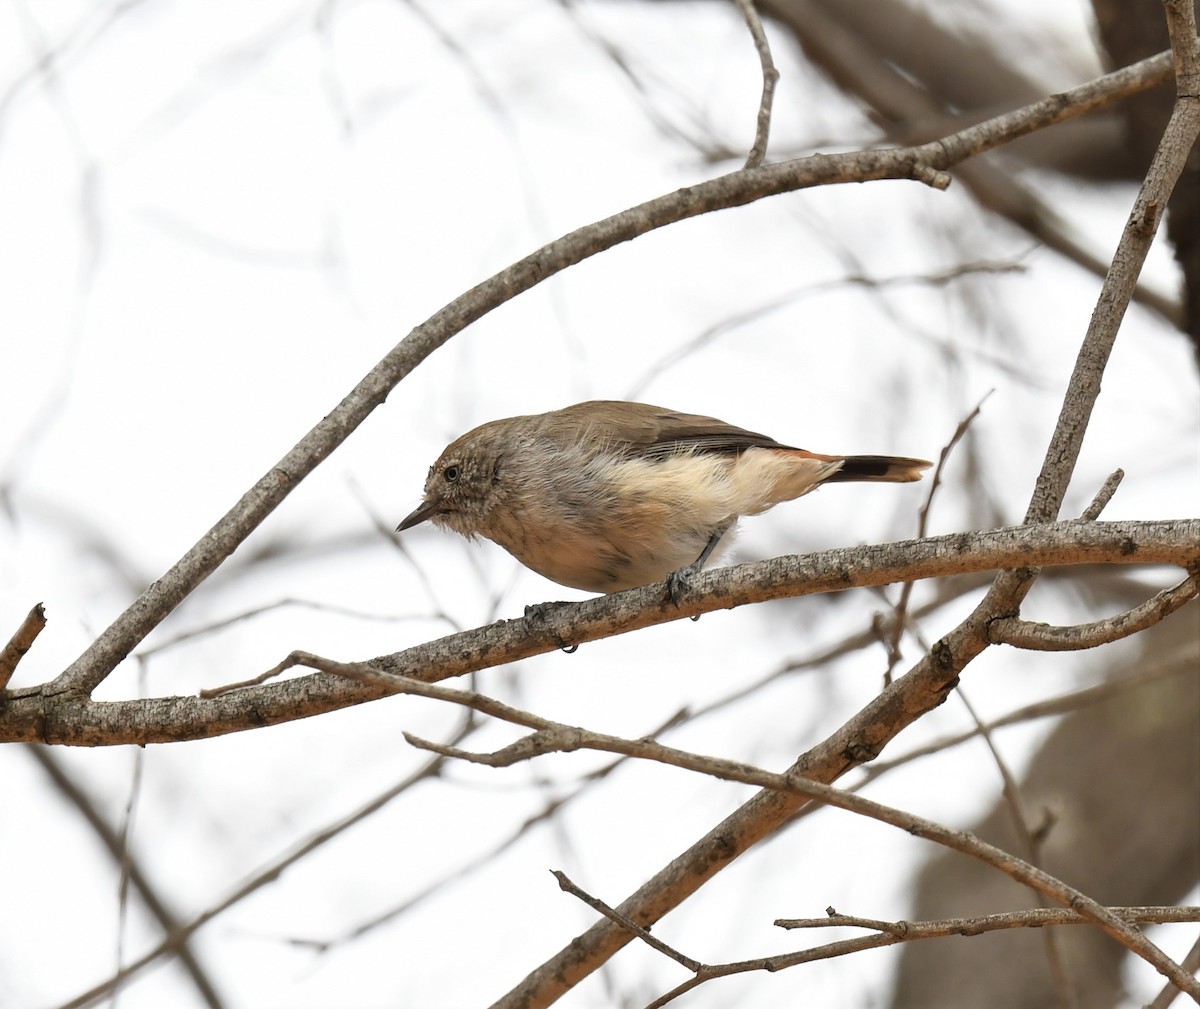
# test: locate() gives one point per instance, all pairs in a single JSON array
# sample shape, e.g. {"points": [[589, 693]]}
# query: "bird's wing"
{"points": [[654, 432]]}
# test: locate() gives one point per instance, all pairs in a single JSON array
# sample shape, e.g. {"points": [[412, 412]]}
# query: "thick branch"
{"points": [[40, 715]]}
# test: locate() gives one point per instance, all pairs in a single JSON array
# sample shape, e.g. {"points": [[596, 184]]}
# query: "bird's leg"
{"points": [[677, 580]]}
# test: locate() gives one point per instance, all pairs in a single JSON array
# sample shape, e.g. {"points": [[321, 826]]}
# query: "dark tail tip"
{"points": [[880, 468]]}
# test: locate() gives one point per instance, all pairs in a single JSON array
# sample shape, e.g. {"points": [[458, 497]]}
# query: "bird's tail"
{"points": [[879, 469]]}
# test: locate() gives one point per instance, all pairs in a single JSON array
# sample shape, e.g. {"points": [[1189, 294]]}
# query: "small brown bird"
{"points": [[608, 495]]}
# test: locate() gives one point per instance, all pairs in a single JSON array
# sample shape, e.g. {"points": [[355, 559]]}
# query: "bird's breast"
{"points": [[606, 522]]}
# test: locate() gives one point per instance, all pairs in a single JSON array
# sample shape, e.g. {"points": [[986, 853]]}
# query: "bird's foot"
{"points": [[536, 617], [677, 581]]}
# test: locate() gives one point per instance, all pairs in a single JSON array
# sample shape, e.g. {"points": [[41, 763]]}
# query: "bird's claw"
{"points": [[677, 582], [536, 613]]}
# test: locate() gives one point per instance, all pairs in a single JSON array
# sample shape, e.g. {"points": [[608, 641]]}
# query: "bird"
{"points": [[609, 495]]}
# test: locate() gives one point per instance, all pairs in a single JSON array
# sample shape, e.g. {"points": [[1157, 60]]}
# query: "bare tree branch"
{"points": [[1045, 638], [887, 933], [1103, 496], [21, 641], [890, 933], [36, 714], [613, 915], [770, 75], [900, 610]]}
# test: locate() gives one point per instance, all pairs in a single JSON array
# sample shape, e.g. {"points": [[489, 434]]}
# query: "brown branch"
{"points": [[926, 162], [615, 916], [1036, 917], [770, 75], [21, 641], [887, 933], [39, 715], [1119, 283], [832, 920], [1103, 496], [1047, 638], [1185, 47], [891, 933], [900, 610]]}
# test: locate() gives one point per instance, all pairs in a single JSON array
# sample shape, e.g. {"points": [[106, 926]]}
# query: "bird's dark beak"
{"points": [[425, 510]]}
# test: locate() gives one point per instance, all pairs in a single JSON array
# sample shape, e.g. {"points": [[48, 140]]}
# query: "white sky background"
{"points": [[215, 218]]}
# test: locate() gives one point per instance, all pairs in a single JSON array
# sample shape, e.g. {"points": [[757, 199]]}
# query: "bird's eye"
{"points": [[451, 473]]}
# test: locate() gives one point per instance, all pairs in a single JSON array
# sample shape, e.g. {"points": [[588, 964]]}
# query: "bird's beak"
{"points": [[425, 510]]}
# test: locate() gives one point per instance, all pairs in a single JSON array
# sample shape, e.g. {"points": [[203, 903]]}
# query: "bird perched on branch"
{"points": [[608, 495]]}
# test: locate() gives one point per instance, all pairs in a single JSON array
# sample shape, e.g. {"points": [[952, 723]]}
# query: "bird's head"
{"points": [[462, 485]]}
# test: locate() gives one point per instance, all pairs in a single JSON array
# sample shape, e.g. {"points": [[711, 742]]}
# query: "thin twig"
{"points": [[548, 811], [632, 926], [1191, 962], [1036, 917], [833, 920], [887, 933], [1047, 638], [1031, 841], [913, 931], [1042, 709], [900, 611], [21, 641], [770, 75], [1103, 496]]}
